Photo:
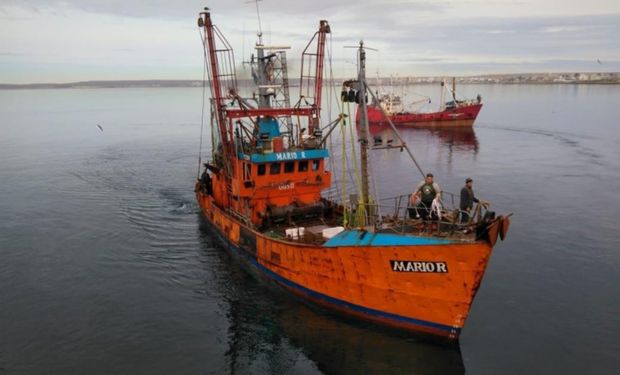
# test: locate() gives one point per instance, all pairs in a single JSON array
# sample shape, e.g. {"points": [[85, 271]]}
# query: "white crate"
{"points": [[295, 233], [331, 232]]}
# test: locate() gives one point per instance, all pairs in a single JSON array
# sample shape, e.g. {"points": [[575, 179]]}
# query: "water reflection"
{"points": [[342, 347], [462, 138], [273, 332], [381, 135]]}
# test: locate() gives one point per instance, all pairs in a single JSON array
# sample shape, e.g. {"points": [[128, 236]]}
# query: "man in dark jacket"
{"points": [[468, 199]]}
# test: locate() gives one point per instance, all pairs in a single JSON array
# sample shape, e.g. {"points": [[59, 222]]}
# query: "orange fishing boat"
{"points": [[263, 194]]}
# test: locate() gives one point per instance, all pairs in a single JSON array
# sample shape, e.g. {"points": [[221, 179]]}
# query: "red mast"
{"points": [[223, 79], [216, 91], [320, 55], [314, 78]]}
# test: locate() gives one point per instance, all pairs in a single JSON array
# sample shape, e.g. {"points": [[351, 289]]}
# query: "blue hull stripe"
{"points": [[313, 294], [359, 238], [286, 156]]}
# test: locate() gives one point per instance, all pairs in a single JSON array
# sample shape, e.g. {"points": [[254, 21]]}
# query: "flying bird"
{"points": [[599, 61], [100, 127]]}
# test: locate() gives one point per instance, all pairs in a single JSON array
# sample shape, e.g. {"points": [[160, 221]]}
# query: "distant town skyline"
{"points": [[81, 40]]}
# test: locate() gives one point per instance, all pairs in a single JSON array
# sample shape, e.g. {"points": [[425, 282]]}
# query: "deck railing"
{"points": [[393, 213]]}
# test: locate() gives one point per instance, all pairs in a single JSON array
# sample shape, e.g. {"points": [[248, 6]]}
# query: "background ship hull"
{"points": [[359, 280], [464, 116]]}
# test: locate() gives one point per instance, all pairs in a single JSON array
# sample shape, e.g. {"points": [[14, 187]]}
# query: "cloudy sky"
{"points": [[77, 40]]}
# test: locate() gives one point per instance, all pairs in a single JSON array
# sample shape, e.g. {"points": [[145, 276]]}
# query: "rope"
{"points": [[330, 147], [358, 178], [386, 116], [374, 187], [359, 219], [202, 114], [343, 133], [360, 214]]}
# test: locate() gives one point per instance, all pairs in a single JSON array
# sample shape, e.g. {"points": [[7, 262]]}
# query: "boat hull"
{"points": [[368, 280], [460, 117]]}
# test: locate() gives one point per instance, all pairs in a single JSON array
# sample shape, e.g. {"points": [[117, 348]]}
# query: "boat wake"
{"points": [[571, 140], [161, 211]]}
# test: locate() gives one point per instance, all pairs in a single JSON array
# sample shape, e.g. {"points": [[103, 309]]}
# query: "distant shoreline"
{"points": [[526, 78]]}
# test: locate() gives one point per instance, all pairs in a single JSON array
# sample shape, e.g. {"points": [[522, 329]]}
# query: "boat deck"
{"points": [[311, 231]]}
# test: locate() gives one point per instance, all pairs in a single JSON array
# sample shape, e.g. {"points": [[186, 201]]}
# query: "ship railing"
{"points": [[395, 210], [392, 213]]}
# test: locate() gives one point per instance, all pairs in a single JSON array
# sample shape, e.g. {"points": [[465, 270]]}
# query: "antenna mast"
{"points": [[362, 91], [260, 26]]}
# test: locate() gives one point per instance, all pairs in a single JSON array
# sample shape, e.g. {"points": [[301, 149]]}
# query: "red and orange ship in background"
{"points": [[452, 114], [264, 194]]}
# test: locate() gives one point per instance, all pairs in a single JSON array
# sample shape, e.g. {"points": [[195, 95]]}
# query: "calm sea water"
{"points": [[106, 265]]}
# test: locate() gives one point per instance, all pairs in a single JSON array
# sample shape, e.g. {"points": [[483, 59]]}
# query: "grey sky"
{"points": [[73, 40]]}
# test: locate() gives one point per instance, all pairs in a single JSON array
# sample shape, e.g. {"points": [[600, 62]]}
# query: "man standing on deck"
{"points": [[468, 199], [427, 190]]}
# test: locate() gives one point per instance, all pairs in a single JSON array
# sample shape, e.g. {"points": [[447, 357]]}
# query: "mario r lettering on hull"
{"points": [[290, 156], [418, 266]]}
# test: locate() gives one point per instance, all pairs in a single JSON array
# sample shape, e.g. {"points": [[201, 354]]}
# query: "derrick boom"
{"points": [[311, 82]]}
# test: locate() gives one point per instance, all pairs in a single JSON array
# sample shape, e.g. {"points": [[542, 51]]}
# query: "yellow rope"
{"points": [[359, 219], [360, 214], [358, 176], [345, 219]]}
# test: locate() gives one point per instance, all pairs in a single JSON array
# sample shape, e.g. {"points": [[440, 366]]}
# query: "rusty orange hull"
{"points": [[407, 282]]}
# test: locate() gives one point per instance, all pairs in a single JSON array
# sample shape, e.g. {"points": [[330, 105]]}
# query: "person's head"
{"points": [[469, 182], [429, 178]]}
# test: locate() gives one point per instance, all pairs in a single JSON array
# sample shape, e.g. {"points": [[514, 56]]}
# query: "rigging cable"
{"points": [[345, 220], [347, 168], [397, 133], [359, 219], [331, 95], [374, 201], [358, 178], [202, 114]]}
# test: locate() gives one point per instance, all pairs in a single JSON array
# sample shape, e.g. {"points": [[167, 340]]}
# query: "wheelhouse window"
{"points": [[262, 169], [274, 168], [303, 166], [289, 167], [316, 164]]}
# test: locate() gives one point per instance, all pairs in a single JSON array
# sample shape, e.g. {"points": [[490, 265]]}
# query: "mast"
{"points": [[324, 29], [361, 78], [263, 84], [442, 102], [222, 75], [454, 90], [362, 90], [311, 80], [216, 88]]}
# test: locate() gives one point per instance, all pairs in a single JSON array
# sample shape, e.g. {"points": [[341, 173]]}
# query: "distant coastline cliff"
{"points": [[525, 78], [543, 78]]}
